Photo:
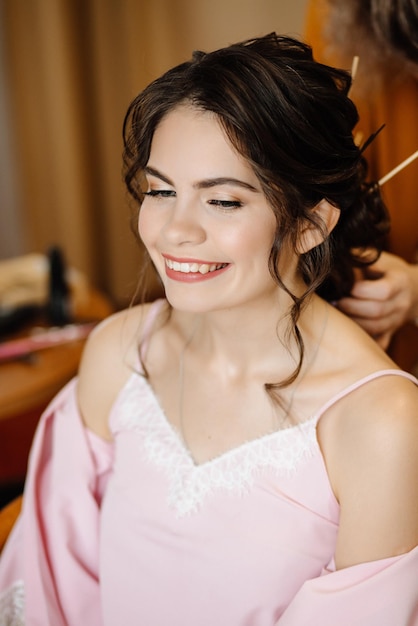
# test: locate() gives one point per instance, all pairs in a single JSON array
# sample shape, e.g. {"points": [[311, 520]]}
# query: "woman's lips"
{"points": [[192, 270]]}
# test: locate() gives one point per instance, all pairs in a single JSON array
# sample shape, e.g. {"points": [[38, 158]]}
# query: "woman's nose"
{"points": [[184, 225]]}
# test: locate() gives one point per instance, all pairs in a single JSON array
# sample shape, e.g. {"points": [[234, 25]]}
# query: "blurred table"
{"points": [[28, 385]]}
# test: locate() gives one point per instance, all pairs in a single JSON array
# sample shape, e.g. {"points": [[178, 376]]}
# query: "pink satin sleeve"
{"points": [[378, 593], [52, 555]]}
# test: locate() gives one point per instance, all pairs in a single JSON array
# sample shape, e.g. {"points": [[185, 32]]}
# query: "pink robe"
{"points": [[135, 533]]}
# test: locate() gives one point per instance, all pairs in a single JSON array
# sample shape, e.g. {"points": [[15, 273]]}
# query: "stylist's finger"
{"points": [[383, 289], [377, 327], [365, 308]]}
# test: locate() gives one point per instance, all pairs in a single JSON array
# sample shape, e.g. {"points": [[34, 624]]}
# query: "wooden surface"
{"points": [[8, 516], [27, 386]]}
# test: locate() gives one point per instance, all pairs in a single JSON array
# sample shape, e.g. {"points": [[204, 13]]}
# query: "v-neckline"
{"points": [[304, 428], [235, 451], [138, 411]]}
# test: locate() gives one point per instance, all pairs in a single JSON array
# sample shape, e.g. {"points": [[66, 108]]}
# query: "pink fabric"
{"points": [[244, 540], [382, 593], [54, 546]]}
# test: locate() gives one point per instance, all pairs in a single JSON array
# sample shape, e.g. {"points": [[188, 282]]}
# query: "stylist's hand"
{"points": [[387, 302]]}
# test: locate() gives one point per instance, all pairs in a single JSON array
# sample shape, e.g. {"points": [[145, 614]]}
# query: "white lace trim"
{"points": [[283, 451], [12, 605]]}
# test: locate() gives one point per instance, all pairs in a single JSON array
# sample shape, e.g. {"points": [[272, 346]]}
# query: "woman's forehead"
{"points": [[189, 138]]}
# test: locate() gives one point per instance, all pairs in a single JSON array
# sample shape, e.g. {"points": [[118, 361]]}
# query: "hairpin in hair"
{"points": [[371, 138], [359, 135], [353, 72], [354, 67], [398, 168]]}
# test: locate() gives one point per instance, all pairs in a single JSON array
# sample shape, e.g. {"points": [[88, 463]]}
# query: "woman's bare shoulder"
{"points": [[109, 358], [372, 460], [383, 396]]}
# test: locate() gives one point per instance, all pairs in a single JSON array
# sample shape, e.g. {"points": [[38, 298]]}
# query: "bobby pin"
{"points": [[353, 72], [398, 168]]}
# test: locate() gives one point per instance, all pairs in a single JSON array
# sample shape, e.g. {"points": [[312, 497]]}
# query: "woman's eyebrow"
{"points": [[207, 183], [224, 180], [153, 172]]}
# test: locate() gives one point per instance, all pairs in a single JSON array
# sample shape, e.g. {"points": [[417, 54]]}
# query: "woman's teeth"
{"points": [[188, 268]]}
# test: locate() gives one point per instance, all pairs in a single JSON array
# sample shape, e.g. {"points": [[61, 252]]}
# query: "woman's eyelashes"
{"points": [[216, 202], [226, 204], [160, 193]]}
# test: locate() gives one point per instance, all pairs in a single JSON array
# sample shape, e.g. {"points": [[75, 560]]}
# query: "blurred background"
{"points": [[68, 71]]}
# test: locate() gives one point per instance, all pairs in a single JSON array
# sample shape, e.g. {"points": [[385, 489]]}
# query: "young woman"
{"points": [[240, 452]]}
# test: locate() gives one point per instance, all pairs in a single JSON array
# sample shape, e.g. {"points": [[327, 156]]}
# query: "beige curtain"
{"points": [[73, 66]]}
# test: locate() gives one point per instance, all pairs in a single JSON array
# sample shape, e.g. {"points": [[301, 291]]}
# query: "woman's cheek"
{"points": [[144, 226]]}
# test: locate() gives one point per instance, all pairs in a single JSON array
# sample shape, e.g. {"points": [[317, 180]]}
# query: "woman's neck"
{"points": [[250, 340]]}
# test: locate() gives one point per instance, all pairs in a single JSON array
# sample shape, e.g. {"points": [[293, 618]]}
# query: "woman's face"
{"points": [[205, 220]]}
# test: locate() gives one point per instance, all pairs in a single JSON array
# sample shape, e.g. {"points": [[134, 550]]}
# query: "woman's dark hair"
{"points": [[292, 119], [384, 33]]}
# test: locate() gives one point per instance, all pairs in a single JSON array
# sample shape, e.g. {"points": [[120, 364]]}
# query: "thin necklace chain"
{"points": [[309, 364], [181, 378]]}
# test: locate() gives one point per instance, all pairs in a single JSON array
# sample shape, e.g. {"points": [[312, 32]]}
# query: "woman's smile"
{"points": [[192, 270]]}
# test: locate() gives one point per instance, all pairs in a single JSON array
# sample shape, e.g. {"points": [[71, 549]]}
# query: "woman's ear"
{"points": [[312, 235]]}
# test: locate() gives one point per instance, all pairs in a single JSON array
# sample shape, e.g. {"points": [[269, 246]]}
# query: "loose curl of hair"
{"points": [[291, 119]]}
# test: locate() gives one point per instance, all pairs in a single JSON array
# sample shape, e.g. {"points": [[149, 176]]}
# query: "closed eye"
{"points": [[162, 193], [226, 204]]}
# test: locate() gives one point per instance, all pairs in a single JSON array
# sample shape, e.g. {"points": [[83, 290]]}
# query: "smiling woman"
{"points": [[218, 460], [198, 228]]}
